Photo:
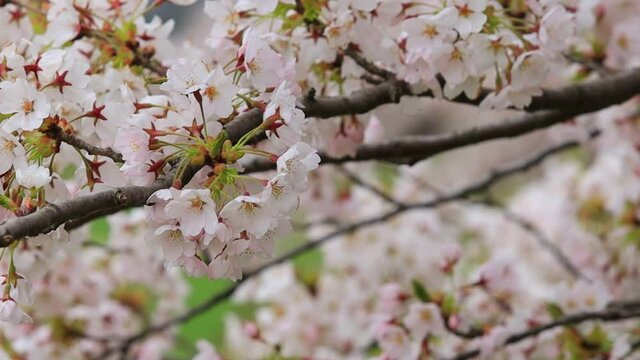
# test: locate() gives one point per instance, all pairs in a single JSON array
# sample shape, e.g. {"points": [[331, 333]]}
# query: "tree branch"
{"points": [[82, 209], [411, 149], [51, 216], [57, 133], [457, 195], [542, 240], [609, 314], [368, 65], [356, 180]]}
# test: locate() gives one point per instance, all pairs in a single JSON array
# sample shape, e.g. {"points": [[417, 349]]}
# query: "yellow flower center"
{"points": [[248, 207], [425, 315], [27, 106], [196, 204], [255, 66], [211, 92], [430, 31]]}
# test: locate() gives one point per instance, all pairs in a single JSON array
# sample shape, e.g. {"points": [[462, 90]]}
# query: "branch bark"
{"points": [[57, 133], [51, 216]]}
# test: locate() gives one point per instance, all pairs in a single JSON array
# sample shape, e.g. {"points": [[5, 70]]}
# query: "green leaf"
{"points": [[5, 116], [449, 306], [419, 291], [228, 176], [554, 311], [6, 203], [127, 32], [307, 267], [99, 231], [598, 336], [632, 238]]}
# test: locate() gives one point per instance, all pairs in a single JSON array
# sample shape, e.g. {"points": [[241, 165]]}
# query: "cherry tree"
{"points": [[204, 159]]}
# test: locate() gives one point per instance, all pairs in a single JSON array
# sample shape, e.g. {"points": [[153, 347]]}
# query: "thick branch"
{"points": [[51, 216], [414, 148], [410, 149], [457, 195]]}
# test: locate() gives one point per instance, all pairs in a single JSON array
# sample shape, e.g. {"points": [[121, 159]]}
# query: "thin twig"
{"points": [[542, 239], [57, 133], [356, 180], [609, 314], [368, 65]]}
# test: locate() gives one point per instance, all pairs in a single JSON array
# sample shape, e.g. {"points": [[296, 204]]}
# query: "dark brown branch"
{"points": [[414, 148], [346, 229], [51, 216], [58, 133], [590, 96], [411, 149], [609, 314]]}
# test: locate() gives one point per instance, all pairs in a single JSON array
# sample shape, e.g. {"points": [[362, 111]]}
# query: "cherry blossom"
{"points": [[465, 16], [423, 319], [217, 92], [11, 312], [28, 106], [11, 151], [261, 62], [173, 242], [248, 213], [297, 162], [195, 211], [33, 176]]}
